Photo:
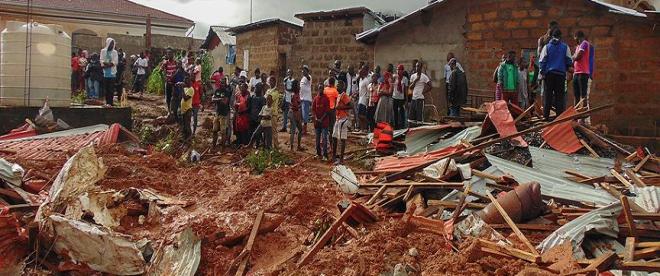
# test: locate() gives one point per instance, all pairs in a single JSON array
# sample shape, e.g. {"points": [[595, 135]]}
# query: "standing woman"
{"points": [[399, 97], [197, 87], [384, 109], [110, 59]]}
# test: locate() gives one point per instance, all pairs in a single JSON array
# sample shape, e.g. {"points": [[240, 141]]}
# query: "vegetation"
{"points": [[79, 97], [261, 160], [156, 82]]}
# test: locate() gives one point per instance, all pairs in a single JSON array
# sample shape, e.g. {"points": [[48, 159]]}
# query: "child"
{"points": [[265, 129], [242, 121], [295, 116], [197, 86], [522, 84], [320, 110], [255, 103], [221, 99], [340, 130], [186, 107]]}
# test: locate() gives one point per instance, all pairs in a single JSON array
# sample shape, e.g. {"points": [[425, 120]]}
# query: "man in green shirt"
{"points": [[507, 77], [276, 96]]}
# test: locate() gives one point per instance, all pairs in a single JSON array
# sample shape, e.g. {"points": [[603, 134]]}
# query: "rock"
{"points": [[141, 219], [413, 252], [400, 270]]}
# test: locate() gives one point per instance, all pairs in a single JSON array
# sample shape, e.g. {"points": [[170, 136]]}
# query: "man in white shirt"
{"points": [[420, 83], [288, 92], [141, 64], [399, 97], [306, 96], [363, 96], [450, 56], [254, 80]]}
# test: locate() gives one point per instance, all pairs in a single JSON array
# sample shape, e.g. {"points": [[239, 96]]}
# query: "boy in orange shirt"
{"points": [[340, 130], [331, 93]]}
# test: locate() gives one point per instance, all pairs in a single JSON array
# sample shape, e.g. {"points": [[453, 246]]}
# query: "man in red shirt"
{"points": [[320, 111], [169, 67], [340, 129], [75, 72]]}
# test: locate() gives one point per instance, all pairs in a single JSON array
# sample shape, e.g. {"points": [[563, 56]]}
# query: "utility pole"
{"points": [[250, 11]]}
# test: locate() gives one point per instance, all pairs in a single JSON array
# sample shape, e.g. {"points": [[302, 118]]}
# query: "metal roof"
{"points": [[467, 134], [225, 37], [417, 139], [551, 185], [340, 13], [260, 24], [370, 34], [554, 163]]}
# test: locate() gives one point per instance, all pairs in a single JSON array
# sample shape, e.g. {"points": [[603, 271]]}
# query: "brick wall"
{"points": [[627, 60], [324, 41], [265, 45]]}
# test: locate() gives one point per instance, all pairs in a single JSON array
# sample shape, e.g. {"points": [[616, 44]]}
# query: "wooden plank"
{"points": [[377, 194], [603, 262], [629, 250], [647, 244], [616, 194], [646, 216], [640, 266], [635, 179], [523, 226], [620, 178], [646, 253], [511, 251], [591, 150], [574, 173], [512, 225], [326, 236], [640, 165], [436, 185], [250, 242], [524, 114], [628, 215], [453, 204], [408, 193], [402, 174]]}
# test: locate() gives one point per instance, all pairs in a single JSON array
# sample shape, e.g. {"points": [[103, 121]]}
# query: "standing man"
{"points": [[254, 80], [581, 64], [110, 59], [121, 66], [75, 72], [320, 110], [420, 84], [399, 97], [305, 96], [276, 111], [288, 91], [331, 92], [458, 89], [555, 62], [448, 70], [169, 67], [221, 98], [340, 129], [141, 65], [507, 77], [363, 97]]}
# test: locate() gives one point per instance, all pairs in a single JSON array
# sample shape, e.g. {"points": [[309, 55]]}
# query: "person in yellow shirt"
{"points": [[186, 108], [277, 107]]}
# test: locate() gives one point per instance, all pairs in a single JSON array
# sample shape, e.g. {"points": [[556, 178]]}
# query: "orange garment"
{"points": [[332, 94], [343, 100]]}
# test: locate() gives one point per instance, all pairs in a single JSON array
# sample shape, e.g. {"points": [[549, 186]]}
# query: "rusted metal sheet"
{"points": [[399, 164], [562, 136], [500, 117]]}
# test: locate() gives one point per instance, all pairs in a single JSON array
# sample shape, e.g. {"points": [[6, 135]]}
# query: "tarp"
{"points": [[562, 136]]}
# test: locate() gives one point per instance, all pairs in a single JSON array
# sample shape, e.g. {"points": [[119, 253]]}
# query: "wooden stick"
{"points": [[524, 114], [647, 244], [629, 250], [620, 178], [631, 157], [248, 246], [574, 173], [648, 252], [641, 163], [629, 218], [506, 249], [512, 225], [638, 181], [377, 194], [453, 205], [408, 193], [587, 132], [592, 151], [523, 226], [438, 185], [640, 266], [403, 174], [603, 262], [326, 236]]}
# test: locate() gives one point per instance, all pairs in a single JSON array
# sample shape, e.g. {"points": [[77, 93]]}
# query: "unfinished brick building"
{"points": [[265, 45], [330, 35], [627, 69]]}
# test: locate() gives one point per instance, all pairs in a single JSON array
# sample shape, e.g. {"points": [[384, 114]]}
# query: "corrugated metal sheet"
{"points": [[397, 164], [500, 117], [552, 185], [555, 163], [225, 37], [602, 221], [59, 145], [647, 198], [562, 136], [417, 139], [467, 134]]}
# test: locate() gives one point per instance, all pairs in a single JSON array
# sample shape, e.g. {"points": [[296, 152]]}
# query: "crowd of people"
{"points": [[253, 108]]}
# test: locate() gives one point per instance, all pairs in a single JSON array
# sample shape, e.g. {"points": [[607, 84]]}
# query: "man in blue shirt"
{"points": [[555, 61]]}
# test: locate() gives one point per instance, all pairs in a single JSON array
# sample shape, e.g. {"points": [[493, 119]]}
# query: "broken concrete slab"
{"points": [[97, 247]]}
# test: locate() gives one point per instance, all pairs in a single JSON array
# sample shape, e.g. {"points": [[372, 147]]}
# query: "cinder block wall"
{"points": [[627, 60], [265, 45], [324, 41]]}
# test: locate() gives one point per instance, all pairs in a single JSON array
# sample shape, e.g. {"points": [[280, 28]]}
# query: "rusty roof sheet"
{"points": [[59, 145], [562, 136]]}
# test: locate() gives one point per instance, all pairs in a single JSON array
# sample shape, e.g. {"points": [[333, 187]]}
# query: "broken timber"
{"points": [[512, 225], [248, 246]]}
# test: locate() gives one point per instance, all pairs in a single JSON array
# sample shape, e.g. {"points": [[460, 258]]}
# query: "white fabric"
{"points": [[350, 86], [305, 89], [288, 82], [266, 111], [364, 91], [253, 83], [396, 94], [418, 90], [114, 56], [141, 63], [340, 129]]}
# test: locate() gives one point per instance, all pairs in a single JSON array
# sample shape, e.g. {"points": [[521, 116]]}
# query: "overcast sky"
{"points": [[237, 12]]}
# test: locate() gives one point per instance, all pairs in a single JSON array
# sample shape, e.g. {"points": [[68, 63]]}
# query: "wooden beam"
{"points": [[647, 244], [574, 173], [603, 262], [437, 185], [533, 227], [641, 164], [408, 193], [592, 151], [511, 224], [635, 179], [506, 249], [524, 114], [620, 178], [407, 172], [453, 204], [646, 253], [640, 266], [377, 194], [629, 250], [250, 242], [320, 243], [628, 215]]}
